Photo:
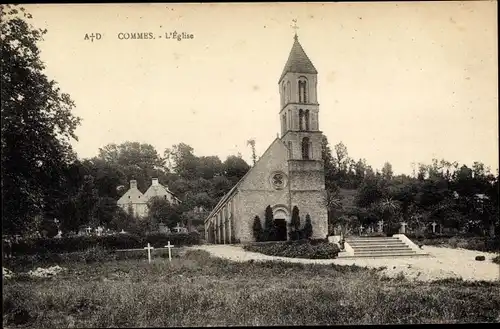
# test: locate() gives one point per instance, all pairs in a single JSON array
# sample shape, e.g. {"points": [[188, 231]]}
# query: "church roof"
{"points": [[235, 187], [298, 62]]}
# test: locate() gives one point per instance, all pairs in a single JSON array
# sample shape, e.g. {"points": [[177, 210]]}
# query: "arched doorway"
{"points": [[280, 215]]}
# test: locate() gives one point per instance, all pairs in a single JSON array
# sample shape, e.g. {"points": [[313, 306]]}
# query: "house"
{"points": [[290, 172], [135, 201]]}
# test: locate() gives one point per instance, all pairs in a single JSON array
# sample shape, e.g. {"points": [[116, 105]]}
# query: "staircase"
{"points": [[380, 247]]}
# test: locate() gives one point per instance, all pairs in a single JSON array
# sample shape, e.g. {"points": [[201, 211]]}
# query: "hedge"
{"points": [[109, 242], [311, 249]]}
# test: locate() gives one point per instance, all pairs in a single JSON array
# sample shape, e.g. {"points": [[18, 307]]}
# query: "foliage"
{"points": [[109, 242], [37, 125], [162, 211], [295, 224], [307, 231], [269, 224], [257, 229], [296, 249], [496, 260]]}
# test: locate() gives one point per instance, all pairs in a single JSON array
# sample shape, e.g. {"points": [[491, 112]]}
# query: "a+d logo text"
{"points": [[92, 36]]}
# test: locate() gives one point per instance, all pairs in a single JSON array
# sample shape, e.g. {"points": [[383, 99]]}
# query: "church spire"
{"points": [[298, 61]]}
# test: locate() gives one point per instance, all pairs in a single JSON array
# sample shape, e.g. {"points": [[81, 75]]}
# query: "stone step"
{"points": [[377, 252], [383, 255], [374, 244], [364, 248], [373, 239]]}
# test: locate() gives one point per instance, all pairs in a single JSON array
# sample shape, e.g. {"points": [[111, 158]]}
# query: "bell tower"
{"points": [[299, 110]]}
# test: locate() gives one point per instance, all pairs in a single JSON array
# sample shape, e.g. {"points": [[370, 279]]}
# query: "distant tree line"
{"points": [[452, 195]]}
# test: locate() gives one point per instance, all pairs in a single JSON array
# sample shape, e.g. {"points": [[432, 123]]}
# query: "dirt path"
{"points": [[442, 262]]}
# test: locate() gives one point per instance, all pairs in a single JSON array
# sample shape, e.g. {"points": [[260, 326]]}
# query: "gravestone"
{"points": [[163, 228], [149, 248], [403, 227], [380, 226], [169, 246], [434, 227]]}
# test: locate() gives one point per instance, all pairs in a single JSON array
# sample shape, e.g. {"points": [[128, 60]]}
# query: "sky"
{"points": [[403, 82]]}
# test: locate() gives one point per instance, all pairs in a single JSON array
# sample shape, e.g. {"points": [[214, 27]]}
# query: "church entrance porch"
{"points": [[281, 231]]}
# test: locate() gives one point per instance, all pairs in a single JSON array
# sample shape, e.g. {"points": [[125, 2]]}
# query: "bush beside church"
{"points": [[268, 232]]}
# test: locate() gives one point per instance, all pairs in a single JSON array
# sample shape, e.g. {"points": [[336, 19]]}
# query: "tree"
{"points": [[182, 160], [251, 142], [269, 224], [132, 153], [295, 224], [308, 229], [162, 211], [235, 168], [387, 210], [37, 124], [257, 229], [329, 164], [387, 171], [117, 164], [209, 167]]}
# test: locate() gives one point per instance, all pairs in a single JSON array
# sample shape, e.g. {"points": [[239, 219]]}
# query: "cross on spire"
{"points": [[295, 27]]}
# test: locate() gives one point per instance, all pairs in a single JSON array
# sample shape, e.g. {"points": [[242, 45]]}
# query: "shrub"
{"points": [[496, 260], [257, 229], [109, 242], [308, 229], [294, 233], [296, 249], [269, 225]]}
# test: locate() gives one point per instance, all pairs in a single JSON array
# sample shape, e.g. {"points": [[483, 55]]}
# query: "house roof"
{"points": [[234, 188], [133, 195], [159, 190], [298, 61]]}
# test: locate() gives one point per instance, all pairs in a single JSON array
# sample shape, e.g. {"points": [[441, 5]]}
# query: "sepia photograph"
{"points": [[249, 164]]}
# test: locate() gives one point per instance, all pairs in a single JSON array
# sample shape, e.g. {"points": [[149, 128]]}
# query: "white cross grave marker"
{"points": [[434, 227], [403, 227], [380, 225], [169, 246], [149, 248], [361, 229]]}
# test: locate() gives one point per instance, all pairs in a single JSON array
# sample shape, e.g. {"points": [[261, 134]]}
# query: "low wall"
{"points": [[403, 238], [347, 251]]}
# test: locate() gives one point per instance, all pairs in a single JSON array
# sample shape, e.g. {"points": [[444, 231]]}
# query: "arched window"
{"points": [[289, 91], [290, 150], [283, 123], [301, 119], [283, 93], [302, 91], [307, 119], [305, 148]]}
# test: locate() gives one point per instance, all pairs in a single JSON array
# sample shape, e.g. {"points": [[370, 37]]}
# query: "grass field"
{"points": [[197, 290]]}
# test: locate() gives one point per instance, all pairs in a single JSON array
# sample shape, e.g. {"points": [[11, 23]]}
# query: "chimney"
{"points": [[133, 184], [155, 182]]}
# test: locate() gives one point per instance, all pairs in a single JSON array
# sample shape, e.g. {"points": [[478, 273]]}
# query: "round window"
{"points": [[278, 180]]}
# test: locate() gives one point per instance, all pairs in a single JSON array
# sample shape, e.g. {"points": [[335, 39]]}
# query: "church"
{"points": [[289, 173]]}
